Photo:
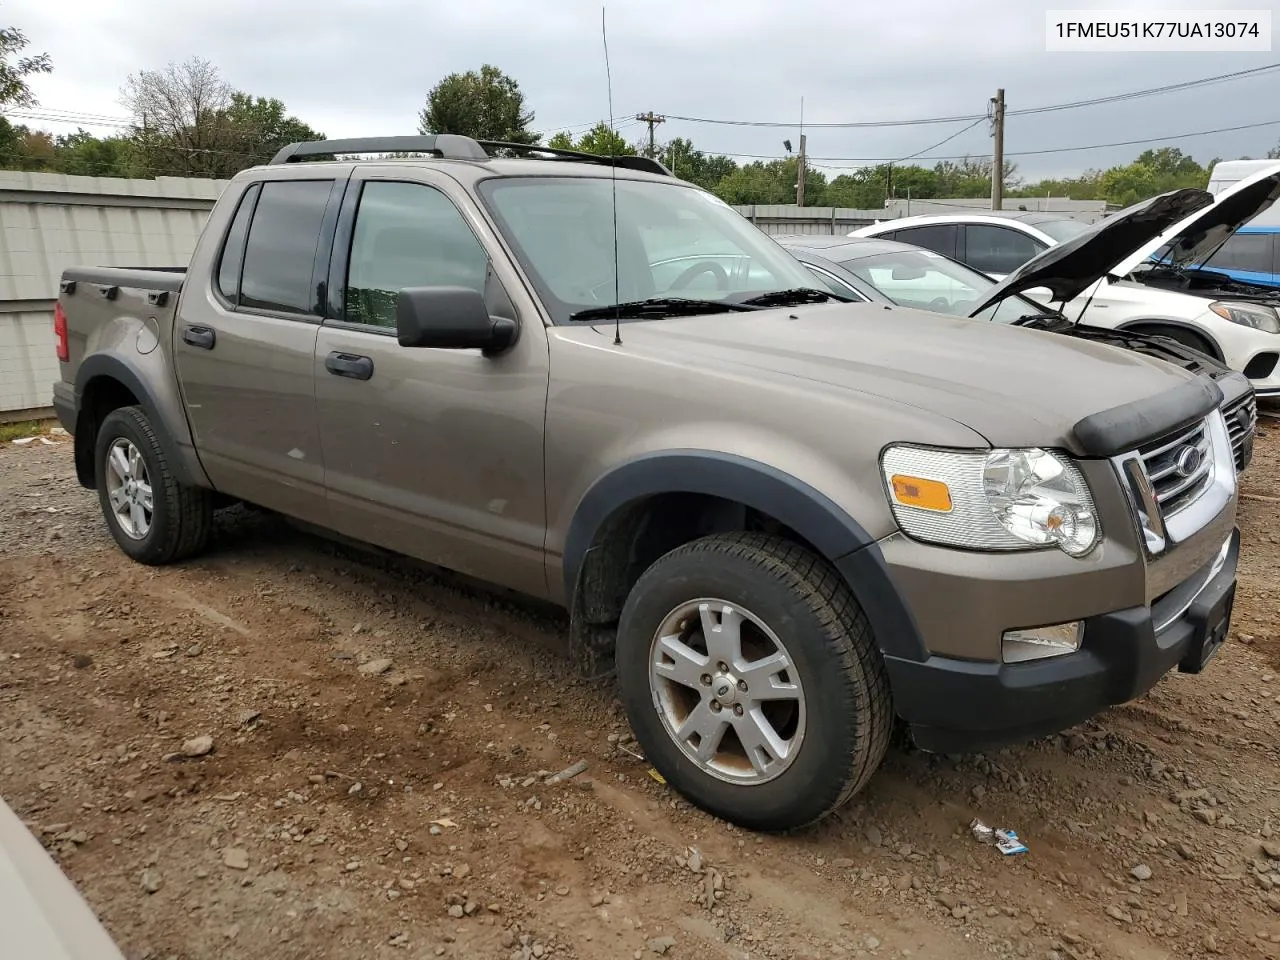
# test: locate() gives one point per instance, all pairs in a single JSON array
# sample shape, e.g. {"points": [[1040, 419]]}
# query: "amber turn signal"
{"points": [[918, 492]]}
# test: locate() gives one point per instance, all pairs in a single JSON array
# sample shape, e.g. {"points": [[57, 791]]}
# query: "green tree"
{"points": [[1272, 154], [694, 166], [601, 140], [771, 182], [83, 154], [486, 105], [189, 121], [15, 69]]}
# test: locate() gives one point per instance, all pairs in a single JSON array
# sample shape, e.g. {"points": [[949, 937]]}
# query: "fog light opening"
{"points": [[1038, 643]]}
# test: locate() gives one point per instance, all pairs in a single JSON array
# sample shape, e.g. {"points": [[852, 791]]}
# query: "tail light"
{"points": [[60, 332]]}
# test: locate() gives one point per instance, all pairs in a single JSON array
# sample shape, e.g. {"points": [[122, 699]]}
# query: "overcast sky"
{"points": [[364, 68]]}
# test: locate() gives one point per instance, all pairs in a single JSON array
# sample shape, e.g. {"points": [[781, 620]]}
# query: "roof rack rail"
{"points": [[642, 164], [450, 146]]}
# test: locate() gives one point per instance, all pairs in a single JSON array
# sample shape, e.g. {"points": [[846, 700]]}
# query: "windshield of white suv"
{"points": [[1063, 229], [929, 281], [679, 249]]}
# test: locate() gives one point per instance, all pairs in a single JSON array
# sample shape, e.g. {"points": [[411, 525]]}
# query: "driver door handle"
{"points": [[202, 337], [349, 365]]}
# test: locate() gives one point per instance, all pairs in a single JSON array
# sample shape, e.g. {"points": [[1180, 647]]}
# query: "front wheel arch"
{"points": [[1186, 334]]}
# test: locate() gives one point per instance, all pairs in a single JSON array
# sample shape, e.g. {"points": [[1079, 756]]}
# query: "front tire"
{"points": [[152, 517], [752, 680]]}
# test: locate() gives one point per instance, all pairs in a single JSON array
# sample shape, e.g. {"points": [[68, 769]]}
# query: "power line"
{"points": [[863, 161], [920, 121]]}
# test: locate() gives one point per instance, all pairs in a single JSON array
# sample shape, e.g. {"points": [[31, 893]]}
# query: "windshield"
{"points": [[929, 281], [1064, 229], [672, 241]]}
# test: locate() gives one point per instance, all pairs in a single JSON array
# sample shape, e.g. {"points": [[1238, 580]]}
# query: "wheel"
{"points": [[752, 681], [152, 517]]}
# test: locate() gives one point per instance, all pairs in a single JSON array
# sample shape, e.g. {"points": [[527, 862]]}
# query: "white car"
{"points": [[42, 915], [1153, 290]]}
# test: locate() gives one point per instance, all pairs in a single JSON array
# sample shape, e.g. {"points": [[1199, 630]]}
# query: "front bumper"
{"points": [[957, 705]]}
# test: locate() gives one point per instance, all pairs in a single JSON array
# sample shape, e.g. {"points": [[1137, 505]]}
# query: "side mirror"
{"points": [[450, 318]]}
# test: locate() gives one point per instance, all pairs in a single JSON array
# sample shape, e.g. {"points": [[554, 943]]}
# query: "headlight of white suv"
{"points": [[991, 499], [1255, 315]]}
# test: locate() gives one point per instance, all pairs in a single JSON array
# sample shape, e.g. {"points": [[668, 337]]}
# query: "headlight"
{"points": [[1249, 315], [991, 499]]}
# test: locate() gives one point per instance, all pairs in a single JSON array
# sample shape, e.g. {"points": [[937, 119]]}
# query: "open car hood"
{"points": [[1198, 236], [1068, 269]]}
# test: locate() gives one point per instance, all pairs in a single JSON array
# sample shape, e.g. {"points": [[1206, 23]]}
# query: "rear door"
{"points": [[430, 452], [244, 344]]}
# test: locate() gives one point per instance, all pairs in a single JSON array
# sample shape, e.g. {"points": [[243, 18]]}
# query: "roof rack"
{"points": [[643, 164], [447, 145], [452, 146]]}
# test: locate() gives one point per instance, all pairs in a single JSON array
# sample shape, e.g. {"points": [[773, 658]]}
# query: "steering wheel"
{"points": [[940, 304], [705, 266]]}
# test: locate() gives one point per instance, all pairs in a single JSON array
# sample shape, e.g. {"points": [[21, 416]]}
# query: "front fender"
{"points": [[840, 538]]}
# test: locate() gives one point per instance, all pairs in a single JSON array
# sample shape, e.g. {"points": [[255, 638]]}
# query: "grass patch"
{"points": [[26, 428]]}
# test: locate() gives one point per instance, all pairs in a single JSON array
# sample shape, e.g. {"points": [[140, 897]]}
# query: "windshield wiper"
{"points": [[1042, 321], [660, 307], [793, 297]]}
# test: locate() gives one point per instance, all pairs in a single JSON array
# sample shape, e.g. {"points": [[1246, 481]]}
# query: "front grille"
{"points": [[1242, 421], [1179, 467]]}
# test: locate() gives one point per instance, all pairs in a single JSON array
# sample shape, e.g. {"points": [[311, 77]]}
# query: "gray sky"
{"points": [[364, 68]]}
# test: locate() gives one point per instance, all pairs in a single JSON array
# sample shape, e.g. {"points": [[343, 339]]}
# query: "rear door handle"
{"points": [[349, 365], [202, 337]]}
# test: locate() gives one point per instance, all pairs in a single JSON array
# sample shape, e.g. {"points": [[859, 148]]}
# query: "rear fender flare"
{"points": [[119, 369]]}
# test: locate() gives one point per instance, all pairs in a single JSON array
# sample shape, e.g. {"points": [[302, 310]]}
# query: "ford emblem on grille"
{"points": [[1187, 461]]}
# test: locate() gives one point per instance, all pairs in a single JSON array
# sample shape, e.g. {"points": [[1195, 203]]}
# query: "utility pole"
{"points": [[652, 119], [997, 154], [800, 170]]}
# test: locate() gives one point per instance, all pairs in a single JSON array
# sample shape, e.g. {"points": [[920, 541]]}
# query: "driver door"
{"points": [[434, 453]]}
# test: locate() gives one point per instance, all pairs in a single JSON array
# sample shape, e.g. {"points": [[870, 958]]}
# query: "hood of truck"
{"points": [[1014, 386], [1198, 236], [1067, 269]]}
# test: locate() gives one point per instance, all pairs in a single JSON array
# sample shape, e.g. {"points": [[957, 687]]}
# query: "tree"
{"points": [[1272, 154], [772, 182], [14, 69], [695, 166], [189, 121], [487, 105]]}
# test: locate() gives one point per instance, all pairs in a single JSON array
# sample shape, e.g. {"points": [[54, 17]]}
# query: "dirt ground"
{"points": [[355, 809]]}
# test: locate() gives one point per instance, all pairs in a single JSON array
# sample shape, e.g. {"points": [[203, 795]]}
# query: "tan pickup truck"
{"points": [[782, 519]]}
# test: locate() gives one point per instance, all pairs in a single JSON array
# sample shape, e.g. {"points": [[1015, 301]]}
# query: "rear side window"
{"points": [[280, 253], [940, 238], [233, 249], [407, 235], [1245, 251], [997, 249]]}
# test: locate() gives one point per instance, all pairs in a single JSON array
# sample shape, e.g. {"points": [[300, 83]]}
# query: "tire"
{"points": [[180, 519], [836, 731]]}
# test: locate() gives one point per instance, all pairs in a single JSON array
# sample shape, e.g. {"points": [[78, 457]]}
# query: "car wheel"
{"points": [[152, 517], [752, 681]]}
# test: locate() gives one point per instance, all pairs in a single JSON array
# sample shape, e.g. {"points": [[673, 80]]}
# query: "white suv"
{"points": [[1152, 290]]}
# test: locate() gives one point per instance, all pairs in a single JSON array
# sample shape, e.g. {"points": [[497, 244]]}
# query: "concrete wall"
{"points": [[49, 222], [833, 221]]}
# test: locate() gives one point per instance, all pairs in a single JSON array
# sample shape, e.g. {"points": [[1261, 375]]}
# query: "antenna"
{"points": [[613, 182]]}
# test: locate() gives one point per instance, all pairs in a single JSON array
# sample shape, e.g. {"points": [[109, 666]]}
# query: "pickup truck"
{"points": [[781, 520]]}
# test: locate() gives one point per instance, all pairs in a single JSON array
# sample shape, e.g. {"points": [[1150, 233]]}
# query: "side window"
{"points": [[407, 235], [1244, 251], [940, 238], [281, 251], [997, 249], [232, 256]]}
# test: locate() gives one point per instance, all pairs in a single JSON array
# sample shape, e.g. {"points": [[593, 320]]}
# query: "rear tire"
{"points": [[801, 718], [153, 518]]}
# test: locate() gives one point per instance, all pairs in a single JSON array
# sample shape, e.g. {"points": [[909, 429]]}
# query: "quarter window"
{"points": [[233, 250], [407, 235], [280, 254]]}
